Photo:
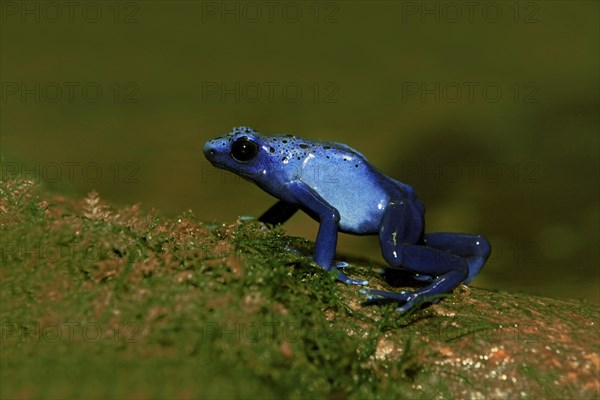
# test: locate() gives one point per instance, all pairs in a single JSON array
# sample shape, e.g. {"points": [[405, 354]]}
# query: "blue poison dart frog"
{"points": [[339, 188]]}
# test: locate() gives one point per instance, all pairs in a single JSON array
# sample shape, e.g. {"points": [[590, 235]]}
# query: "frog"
{"points": [[339, 188]]}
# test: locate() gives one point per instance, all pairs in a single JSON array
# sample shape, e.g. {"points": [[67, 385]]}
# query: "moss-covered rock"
{"points": [[104, 302]]}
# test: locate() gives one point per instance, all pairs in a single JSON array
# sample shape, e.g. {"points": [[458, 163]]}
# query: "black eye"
{"points": [[244, 149]]}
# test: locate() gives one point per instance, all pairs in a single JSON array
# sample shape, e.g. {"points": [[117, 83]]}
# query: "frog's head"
{"points": [[241, 151]]}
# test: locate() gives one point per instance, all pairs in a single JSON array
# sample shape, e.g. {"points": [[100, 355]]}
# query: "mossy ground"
{"points": [[99, 302]]}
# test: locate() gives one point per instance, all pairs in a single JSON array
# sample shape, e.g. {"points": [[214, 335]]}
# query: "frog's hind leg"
{"points": [[474, 249], [403, 246]]}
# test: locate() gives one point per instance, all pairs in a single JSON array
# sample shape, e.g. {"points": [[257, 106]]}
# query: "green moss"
{"points": [[114, 303]]}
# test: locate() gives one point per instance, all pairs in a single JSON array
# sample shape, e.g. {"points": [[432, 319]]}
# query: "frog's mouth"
{"points": [[246, 175]]}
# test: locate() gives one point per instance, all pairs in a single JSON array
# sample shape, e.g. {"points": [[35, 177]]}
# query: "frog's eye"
{"points": [[244, 149]]}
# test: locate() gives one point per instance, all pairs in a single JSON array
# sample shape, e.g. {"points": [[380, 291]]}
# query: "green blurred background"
{"points": [[489, 110]]}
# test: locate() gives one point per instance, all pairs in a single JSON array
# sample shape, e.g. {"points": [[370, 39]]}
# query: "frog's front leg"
{"points": [[447, 258], [279, 213], [329, 218]]}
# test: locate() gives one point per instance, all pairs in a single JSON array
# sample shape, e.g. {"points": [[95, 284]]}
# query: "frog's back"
{"points": [[341, 176]]}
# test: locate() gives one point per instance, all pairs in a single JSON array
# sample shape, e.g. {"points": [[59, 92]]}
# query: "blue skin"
{"points": [[339, 188]]}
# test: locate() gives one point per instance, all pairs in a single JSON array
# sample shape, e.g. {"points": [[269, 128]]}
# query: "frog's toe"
{"points": [[341, 264], [349, 281], [409, 299], [412, 302], [405, 308]]}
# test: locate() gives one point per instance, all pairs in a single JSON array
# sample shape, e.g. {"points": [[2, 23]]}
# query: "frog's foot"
{"points": [[410, 299], [348, 281], [341, 264]]}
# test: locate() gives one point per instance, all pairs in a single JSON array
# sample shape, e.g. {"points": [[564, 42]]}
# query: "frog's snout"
{"points": [[209, 149]]}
